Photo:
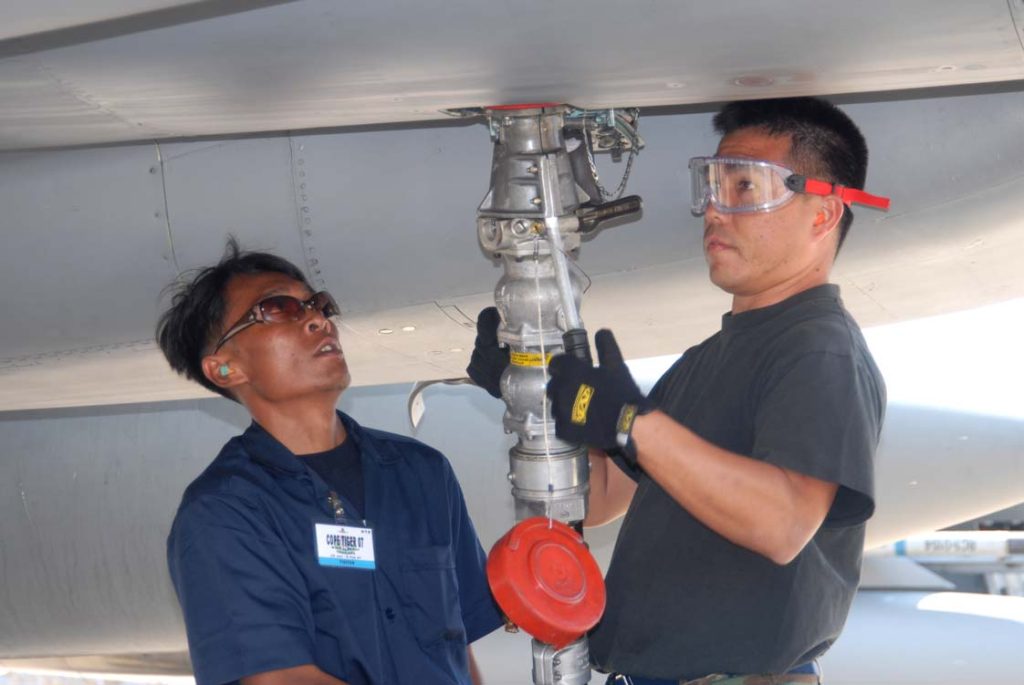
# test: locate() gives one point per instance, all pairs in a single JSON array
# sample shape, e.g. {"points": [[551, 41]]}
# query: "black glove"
{"points": [[489, 359], [596, 405]]}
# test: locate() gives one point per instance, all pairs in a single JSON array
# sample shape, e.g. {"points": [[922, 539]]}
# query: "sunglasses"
{"points": [[282, 309]]}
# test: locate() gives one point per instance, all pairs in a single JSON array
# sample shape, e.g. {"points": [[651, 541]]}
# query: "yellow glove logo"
{"points": [[582, 404], [626, 418]]}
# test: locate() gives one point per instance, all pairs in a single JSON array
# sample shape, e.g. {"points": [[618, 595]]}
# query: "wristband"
{"points": [[624, 428]]}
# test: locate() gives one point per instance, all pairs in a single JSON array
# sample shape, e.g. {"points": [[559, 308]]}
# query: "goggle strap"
{"points": [[813, 186], [851, 195]]}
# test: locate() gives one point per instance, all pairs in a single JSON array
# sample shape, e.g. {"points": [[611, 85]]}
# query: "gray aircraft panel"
{"points": [[928, 638], [85, 250], [392, 214], [932, 151], [39, 106], [318, 63], [241, 187], [36, 16], [92, 493]]}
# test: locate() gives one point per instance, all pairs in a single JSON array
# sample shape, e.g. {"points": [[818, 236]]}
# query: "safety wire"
{"points": [[579, 269], [544, 370]]}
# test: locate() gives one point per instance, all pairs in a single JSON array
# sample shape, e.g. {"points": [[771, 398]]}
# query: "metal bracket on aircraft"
{"points": [[587, 131], [417, 405], [611, 130]]}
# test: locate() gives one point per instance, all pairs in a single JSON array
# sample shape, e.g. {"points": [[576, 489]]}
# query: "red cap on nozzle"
{"points": [[546, 581]]}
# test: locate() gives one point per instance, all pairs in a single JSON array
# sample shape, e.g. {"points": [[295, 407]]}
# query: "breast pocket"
{"points": [[431, 596]]}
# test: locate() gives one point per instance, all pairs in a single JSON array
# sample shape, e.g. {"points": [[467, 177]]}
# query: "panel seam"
{"points": [[167, 210], [1011, 4], [303, 216]]}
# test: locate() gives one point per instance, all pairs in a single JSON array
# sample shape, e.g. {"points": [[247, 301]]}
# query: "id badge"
{"points": [[345, 546]]}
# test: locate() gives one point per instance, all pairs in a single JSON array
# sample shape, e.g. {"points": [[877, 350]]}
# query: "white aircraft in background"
{"points": [[135, 134]]}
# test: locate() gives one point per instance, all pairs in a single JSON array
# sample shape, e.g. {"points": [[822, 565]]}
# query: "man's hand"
{"points": [[596, 406], [489, 359]]}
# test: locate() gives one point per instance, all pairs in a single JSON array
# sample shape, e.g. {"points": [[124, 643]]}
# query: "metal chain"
{"points": [[605, 195]]}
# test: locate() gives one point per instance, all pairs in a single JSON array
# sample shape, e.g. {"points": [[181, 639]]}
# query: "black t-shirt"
{"points": [[342, 470], [794, 385]]}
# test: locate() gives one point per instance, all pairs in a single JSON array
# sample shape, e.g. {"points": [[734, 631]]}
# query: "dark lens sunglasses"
{"points": [[282, 309]]}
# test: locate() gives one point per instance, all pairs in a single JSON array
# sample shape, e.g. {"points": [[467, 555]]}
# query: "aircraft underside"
{"points": [[135, 136]]}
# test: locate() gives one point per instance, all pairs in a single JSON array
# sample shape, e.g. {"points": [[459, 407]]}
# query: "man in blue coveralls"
{"points": [[312, 550]]}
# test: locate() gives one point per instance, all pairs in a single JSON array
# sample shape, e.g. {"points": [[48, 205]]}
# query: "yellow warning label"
{"points": [[582, 404], [528, 359]]}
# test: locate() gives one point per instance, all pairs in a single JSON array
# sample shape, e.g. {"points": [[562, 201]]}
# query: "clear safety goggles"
{"points": [[737, 184]]}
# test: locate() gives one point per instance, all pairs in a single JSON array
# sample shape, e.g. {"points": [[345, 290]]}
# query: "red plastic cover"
{"points": [[546, 581]]}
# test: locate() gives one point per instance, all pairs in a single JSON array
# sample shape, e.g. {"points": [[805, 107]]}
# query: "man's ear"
{"points": [[219, 370], [828, 216]]}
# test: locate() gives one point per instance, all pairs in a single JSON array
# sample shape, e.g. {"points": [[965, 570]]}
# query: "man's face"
{"points": [[282, 361], [752, 254]]}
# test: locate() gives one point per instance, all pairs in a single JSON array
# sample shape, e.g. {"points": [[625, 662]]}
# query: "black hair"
{"points": [[191, 325], [826, 144]]}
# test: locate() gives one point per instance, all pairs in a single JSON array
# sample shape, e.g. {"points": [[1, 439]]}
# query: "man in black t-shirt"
{"points": [[746, 476]]}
